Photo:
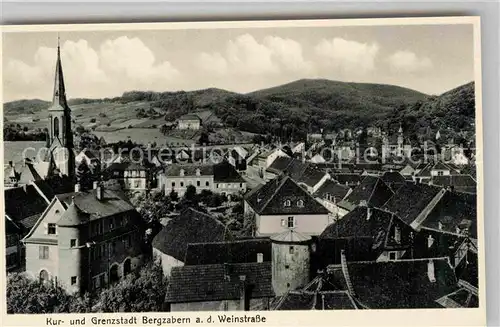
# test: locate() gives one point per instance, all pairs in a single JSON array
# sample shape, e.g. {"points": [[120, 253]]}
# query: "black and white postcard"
{"points": [[324, 172]]}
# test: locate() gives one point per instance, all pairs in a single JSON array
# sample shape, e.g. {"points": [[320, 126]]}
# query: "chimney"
{"points": [[430, 271], [368, 213], [94, 186], [243, 293], [77, 187], [260, 257], [430, 241], [440, 225], [10, 163], [100, 192]]}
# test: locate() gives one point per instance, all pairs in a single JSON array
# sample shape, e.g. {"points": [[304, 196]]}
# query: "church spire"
{"points": [[59, 96]]}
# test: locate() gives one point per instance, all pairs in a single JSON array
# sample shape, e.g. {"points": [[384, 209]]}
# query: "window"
{"points": [[291, 222], [397, 234], [137, 184], [241, 185], [283, 222], [44, 276], [291, 250], [73, 280], [207, 184], [392, 255], [300, 203], [287, 266], [440, 173], [198, 183], [173, 184], [43, 252], [287, 203], [51, 229], [116, 173], [111, 223], [182, 184], [56, 126], [72, 243], [113, 247]]}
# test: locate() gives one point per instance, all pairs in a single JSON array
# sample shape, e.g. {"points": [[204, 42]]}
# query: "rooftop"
{"points": [[372, 190], [237, 251], [270, 198], [410, 200], [196, 283], [400, 284], [191, 226], [332, 190]]}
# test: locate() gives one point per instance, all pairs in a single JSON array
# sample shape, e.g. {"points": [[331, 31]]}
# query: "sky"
{"points": [[428, 58]]}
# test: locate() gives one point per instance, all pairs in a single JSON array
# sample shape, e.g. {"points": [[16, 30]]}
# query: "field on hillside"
{"points": [[15, 151], [142, 135]]}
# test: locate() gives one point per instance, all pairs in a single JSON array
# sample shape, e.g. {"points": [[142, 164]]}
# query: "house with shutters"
{"points": [[86, 240], [281, 204]]}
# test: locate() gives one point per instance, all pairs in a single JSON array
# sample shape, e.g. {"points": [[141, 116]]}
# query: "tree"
{"points": [[25, 295], [204, 138], [174, 196], [190, 194], [143, 291], [84, 175]]}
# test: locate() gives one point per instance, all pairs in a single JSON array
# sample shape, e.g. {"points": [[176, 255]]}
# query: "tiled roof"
{"points": [[28, 174], [372, 190], [209, 282], [356, 224], [190, 117], [270, 198], [189, 170], [462, 183], [87, 202], [238, 251], [333, 189], [401, 284], [302, 172], [24, 203], [393, 179], [190, 226], [410, 200], [225, 172], [454, 210], [467, 270], [348, 179], [296, 300], [464, 299]]}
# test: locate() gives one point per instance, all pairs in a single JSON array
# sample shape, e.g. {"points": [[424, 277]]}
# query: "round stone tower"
{"points": [[72, 249], [290, 261]]}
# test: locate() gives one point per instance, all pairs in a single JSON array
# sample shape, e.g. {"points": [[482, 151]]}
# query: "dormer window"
{"points": [[181, 173], [287, 203], [300, 203], [198, 172]]}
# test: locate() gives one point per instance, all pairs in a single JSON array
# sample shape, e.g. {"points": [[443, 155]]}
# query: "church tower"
{"points": [[60, 135]]}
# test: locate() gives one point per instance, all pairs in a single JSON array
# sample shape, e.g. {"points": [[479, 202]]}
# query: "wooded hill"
{"points": [[294, 109]]}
